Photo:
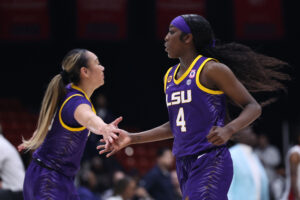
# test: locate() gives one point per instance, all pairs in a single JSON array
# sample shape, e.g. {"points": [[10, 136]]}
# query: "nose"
{"points": [[167, 37], [102, 67]]}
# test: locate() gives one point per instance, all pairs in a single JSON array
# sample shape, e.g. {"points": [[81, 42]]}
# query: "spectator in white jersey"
{"points": [[11, 171]]}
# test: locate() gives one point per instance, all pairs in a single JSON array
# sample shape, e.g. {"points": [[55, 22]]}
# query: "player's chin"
{"points": [[101, 83], [170, 55]]}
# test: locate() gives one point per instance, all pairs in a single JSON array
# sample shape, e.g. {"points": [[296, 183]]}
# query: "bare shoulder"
{"points": [[213, 68]]}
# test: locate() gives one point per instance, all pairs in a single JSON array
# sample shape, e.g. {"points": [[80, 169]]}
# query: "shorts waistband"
{"points": [[40, 163], [200, 153]]}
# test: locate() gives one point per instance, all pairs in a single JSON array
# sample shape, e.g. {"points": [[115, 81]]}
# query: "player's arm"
{"points": [[162, 132], [294, 162], [222, 78], [125, 139], [86, 117], [156, 134]]}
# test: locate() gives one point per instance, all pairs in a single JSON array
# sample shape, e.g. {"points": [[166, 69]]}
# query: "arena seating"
{"points": [[16, 121]]}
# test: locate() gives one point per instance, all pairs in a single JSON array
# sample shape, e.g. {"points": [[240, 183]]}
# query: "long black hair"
{"points": [[257, 72]]}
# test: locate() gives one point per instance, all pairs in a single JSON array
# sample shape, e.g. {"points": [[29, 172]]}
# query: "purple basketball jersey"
{"points": [[64, 144], [193, 109], [60, 154]]}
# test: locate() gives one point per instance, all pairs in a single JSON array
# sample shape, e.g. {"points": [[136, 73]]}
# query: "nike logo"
{"points": [[200, 156]]}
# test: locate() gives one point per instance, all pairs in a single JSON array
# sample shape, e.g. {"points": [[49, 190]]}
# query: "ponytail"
{"points": [[56, 91], [54, 94]]}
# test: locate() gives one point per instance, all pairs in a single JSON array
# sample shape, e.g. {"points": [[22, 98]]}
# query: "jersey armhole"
{"points": [[200, 86], [60, 118]]}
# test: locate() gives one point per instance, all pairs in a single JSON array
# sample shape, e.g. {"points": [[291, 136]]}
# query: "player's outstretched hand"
{"points": [[123, 140], [117, 121], [111, 131]]}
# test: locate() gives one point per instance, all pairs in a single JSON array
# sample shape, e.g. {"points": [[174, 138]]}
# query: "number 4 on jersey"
{"points": [[180, 120]]}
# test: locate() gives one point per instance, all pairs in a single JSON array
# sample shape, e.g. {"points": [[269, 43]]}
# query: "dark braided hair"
{"points": [[257, 72]]}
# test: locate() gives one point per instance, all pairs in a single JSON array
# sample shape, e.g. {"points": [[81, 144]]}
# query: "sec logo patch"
{"points": [[192, 73]]}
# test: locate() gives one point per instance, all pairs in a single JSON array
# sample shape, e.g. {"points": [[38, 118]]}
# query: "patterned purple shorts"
{"points": [[206, 176], [41, 183]]}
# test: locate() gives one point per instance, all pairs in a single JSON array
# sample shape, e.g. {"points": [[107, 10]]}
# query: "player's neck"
{"points": [[186, 60], [88, 91]]}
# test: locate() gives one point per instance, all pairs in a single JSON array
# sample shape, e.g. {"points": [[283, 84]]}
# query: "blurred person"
{"points": [[292, 189], [116, 176], [102, 173], [124, 189], [277, 186], [176, 185], [158, 181], [103, 169], [250, 181], [87, 185], [12, 171], [101, 107], [65, 119], [141, 194], [269, 155], [196, 91]]}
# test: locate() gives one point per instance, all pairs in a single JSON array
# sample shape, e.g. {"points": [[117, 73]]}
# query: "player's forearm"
{"points": [[87, 118], [162, 132], [249, 114], [95, 124]]}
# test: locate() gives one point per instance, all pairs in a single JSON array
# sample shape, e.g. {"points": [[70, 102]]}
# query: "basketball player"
{"points": [[65, 119], [196, 91]]}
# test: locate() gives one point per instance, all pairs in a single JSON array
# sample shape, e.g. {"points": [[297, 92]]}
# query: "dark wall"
{"points": [[135, 66]]}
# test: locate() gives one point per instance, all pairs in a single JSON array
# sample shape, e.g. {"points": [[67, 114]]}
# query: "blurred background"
{"points": [[128, 37]]}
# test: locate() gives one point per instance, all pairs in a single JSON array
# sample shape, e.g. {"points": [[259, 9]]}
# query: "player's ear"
{"points": [[84, 71], [188, 38]]}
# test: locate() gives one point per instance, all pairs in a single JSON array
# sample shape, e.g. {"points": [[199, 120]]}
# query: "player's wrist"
{"points": [[133, 138], [230, 130]]}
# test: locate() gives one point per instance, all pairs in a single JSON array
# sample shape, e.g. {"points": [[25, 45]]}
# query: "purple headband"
{"points": [[179, 23]]}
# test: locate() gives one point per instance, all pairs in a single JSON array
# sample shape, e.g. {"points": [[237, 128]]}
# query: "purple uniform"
{"points": [[204, 170], [51, 173]]}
